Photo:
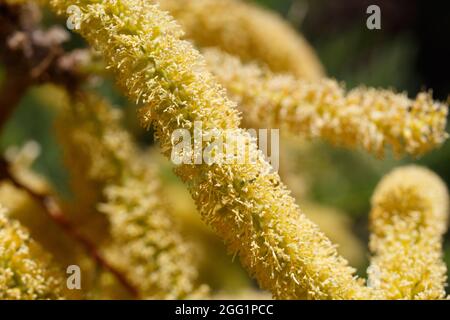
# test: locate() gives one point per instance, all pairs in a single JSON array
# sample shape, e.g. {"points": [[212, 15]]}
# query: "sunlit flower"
{"points": [[143, 242], [247, 205], [409, 216], [248, 31], [26, 272], [363, 117]]}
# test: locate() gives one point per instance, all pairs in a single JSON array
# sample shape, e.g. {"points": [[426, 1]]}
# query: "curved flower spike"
{"points": [[409, 216], [246, 204], [26, 271], [367, 118], [144, 242], [248, 31]]}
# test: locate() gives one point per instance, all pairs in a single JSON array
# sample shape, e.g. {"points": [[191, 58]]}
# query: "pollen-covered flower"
{"points": [[338, 227], [145, 244], [143, 240], [363, 117], [409, 216], [26, 271], [246, 204], [248, 31], [30, 214]]}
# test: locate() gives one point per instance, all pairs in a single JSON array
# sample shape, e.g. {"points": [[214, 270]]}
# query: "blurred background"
{"points": [[410, 53]]}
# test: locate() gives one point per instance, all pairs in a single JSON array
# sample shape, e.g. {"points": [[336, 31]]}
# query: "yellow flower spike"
{"points": [[364, 117], [409, 216], [338, 227], [31, 215], [143, 243], [26, 271], [248, 31], [246, 204]]}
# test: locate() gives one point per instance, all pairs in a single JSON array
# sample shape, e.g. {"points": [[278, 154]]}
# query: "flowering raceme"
{"points": [[247, 205], [248, 31], [338, 227], [409, 216], [23, 208], [26, 271], [118, 195], [363, 117], [32, 216], [143, 241], [118, 228]]}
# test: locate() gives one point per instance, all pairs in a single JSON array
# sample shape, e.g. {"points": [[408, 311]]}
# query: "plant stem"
{"points": [[51, 206], [10, 95]]}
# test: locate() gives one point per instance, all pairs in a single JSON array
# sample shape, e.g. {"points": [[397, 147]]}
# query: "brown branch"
{"points": [[33, 56], [10, 95], [51, 206], [15, 84]]}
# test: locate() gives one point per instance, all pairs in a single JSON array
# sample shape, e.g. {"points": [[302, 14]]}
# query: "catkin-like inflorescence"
{"points": [[246, 204], [26, 271], [248, 31], [408, 218], [363, 117], [338, 227], [146, 246], [144, 241]]}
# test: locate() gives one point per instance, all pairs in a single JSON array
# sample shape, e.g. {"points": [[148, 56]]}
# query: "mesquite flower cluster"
{"points": [[246, 203]]}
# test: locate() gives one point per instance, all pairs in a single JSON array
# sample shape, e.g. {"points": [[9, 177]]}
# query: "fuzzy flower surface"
{"points": [[246, 204], [248, 31], [143, 241], [363, 117], [26, 272], [409, 216]]}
